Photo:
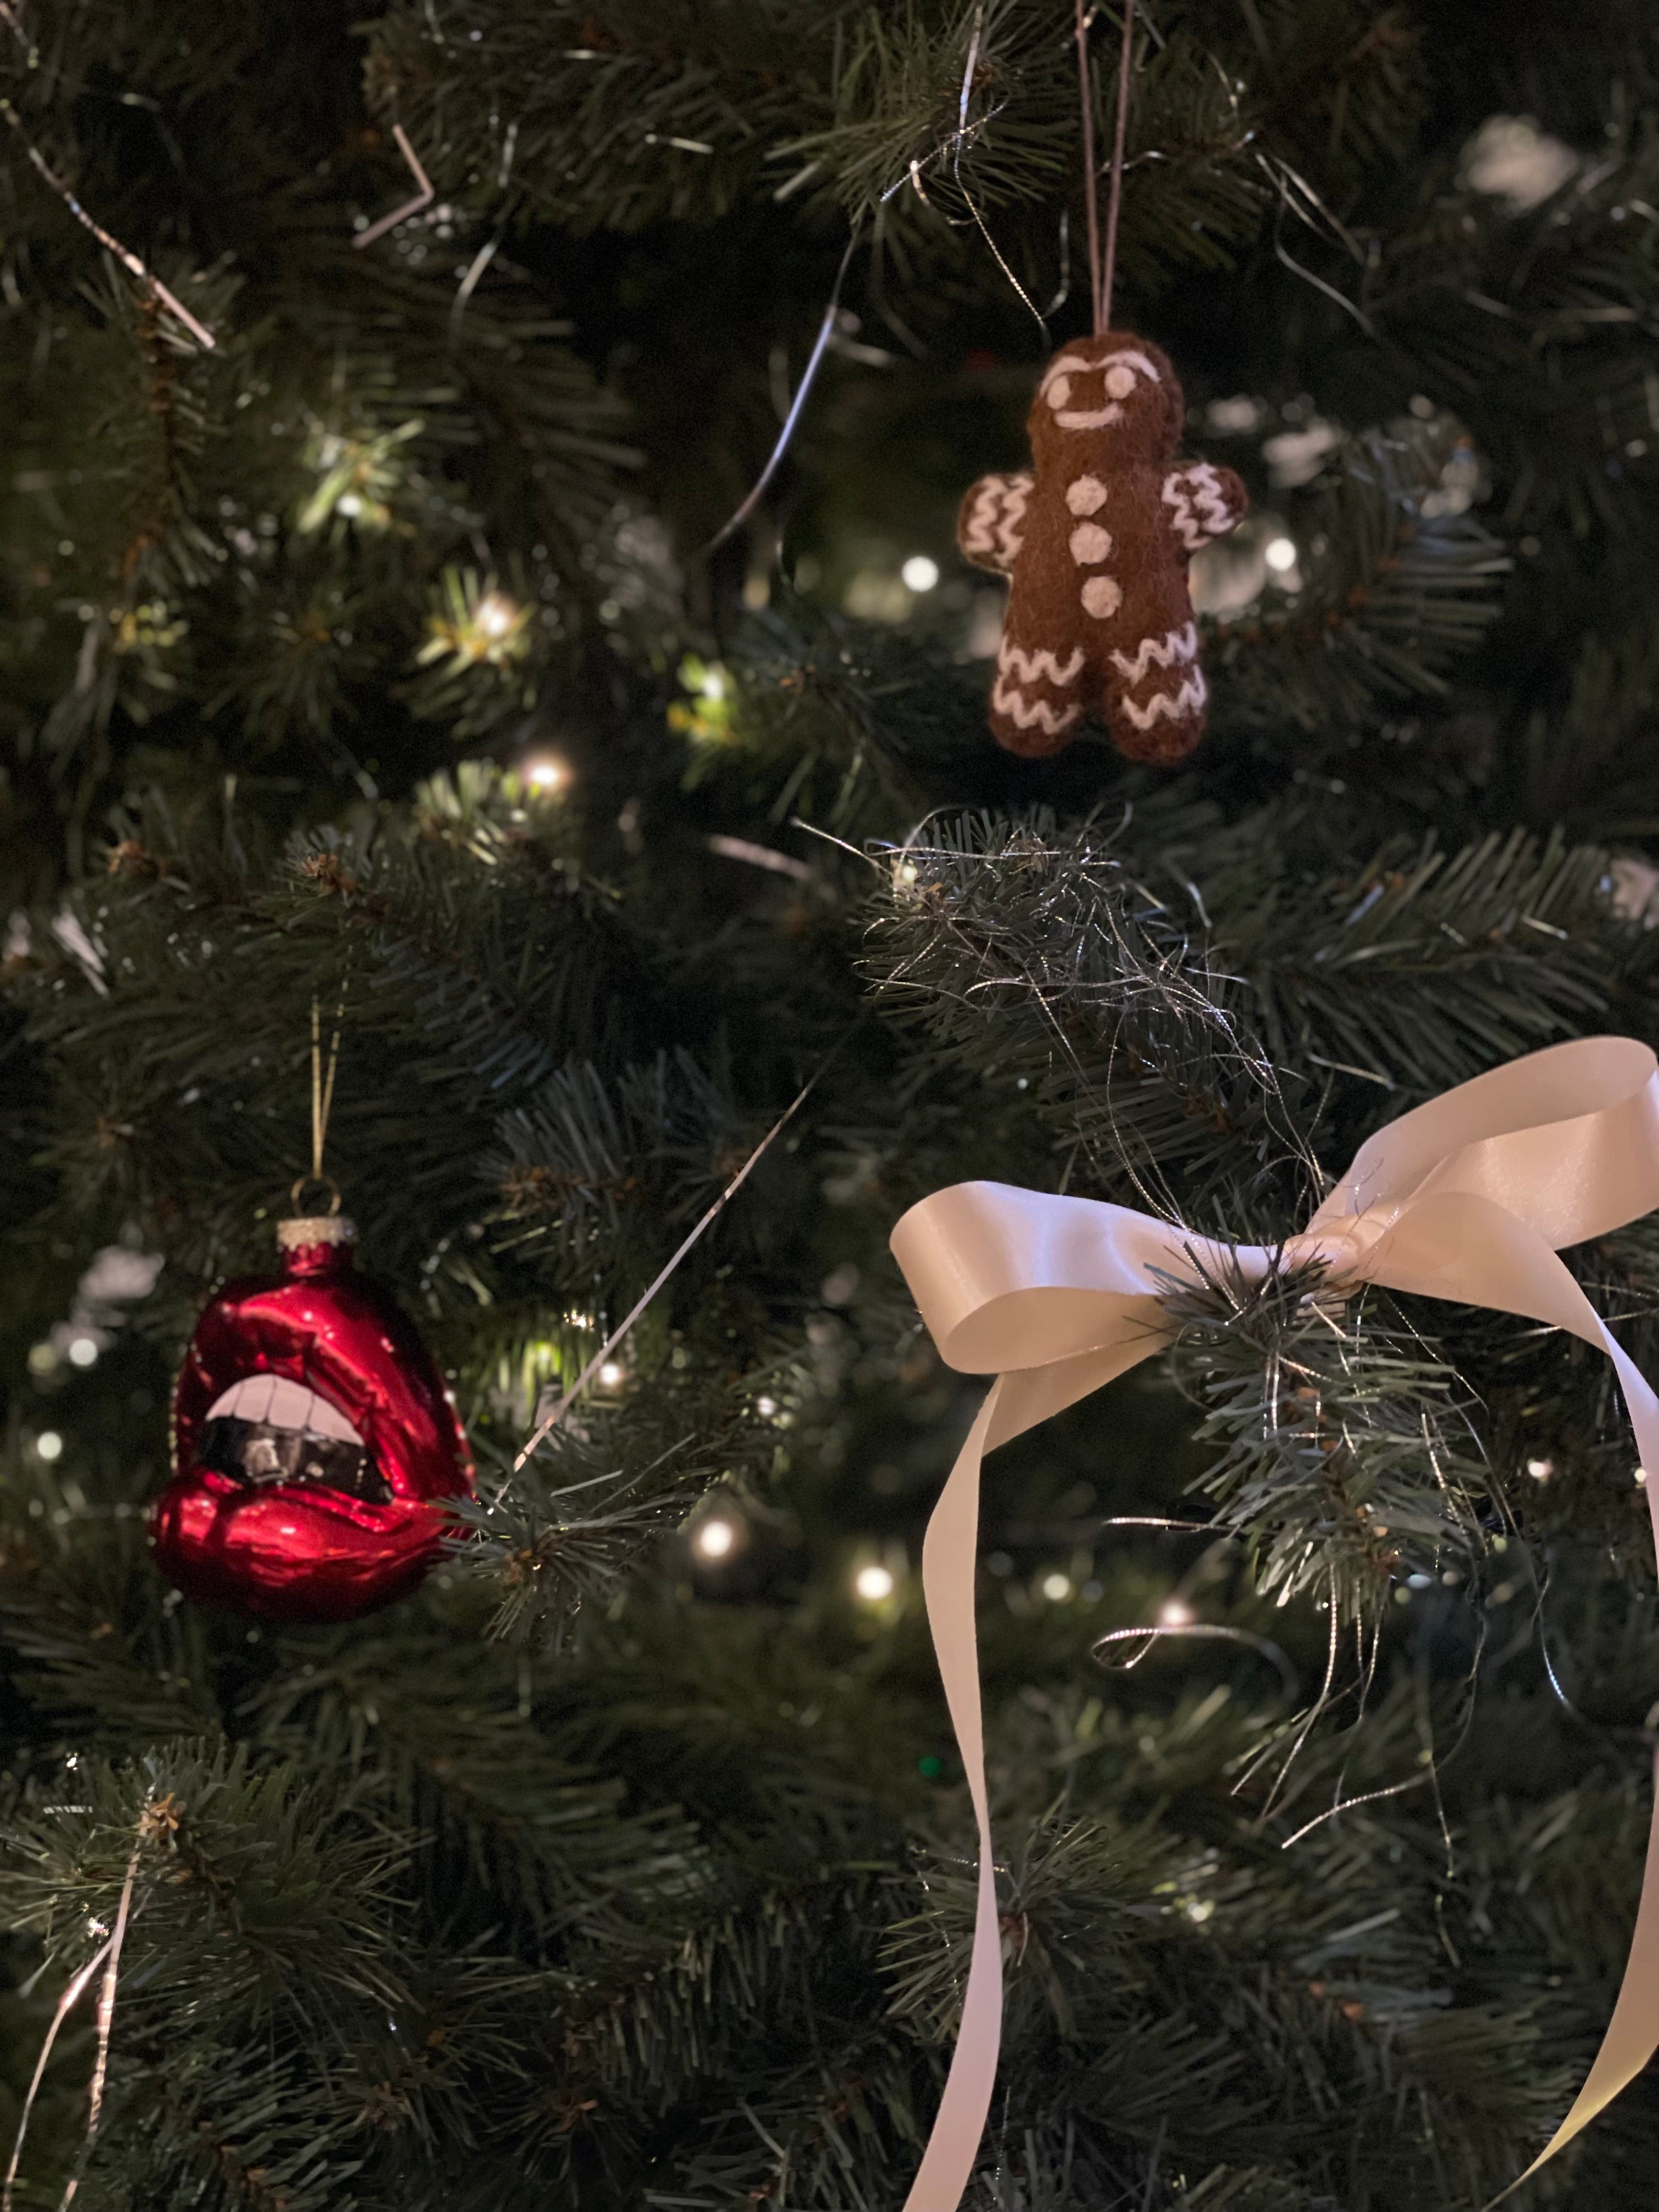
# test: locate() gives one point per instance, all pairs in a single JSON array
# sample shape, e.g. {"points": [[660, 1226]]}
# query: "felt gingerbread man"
{"points": [[1095, 542]]}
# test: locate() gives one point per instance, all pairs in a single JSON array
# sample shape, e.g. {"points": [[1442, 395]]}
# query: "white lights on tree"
{"points": [[496, 614], [873, 1584], [716, 1538], [1280, 554], [919, 574]]}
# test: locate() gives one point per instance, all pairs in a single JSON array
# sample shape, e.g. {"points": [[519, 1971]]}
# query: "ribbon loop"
{"points": [[1468, 1198]]}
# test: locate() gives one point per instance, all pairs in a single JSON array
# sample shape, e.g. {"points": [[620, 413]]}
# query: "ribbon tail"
{"points": [[948, 1554], [1632, 2033]]}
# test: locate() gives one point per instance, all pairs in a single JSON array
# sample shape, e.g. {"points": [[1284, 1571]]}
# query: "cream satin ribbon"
{"points": [[1468, 1198]]}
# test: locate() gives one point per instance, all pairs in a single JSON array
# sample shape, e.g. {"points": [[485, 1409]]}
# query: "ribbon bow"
{"points": [[1468, 1198]]}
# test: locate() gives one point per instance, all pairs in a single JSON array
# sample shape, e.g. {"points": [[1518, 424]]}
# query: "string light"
{"points": [[546, 773], [49, 1445], [1056, 1587], [1174, 1614], [873, 1584], [919, 574], [611, 1375], [715, 1538], [766, 1408], [1280, 556], [496, 614], [83, 1351], [468, 626]]}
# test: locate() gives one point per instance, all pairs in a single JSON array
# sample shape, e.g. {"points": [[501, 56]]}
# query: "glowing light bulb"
{"points": [[1056, 1588], [766, 1408], [1175, 1614], [83, 1351], [919, 574], [873, 1584], [496, 614], [1280, 556], [612, 1374], [715, 1538], [546, 773], [49, 1444]]}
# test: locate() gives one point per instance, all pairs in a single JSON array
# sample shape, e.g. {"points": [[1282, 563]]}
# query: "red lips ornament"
{"points": [[314, 1443]]}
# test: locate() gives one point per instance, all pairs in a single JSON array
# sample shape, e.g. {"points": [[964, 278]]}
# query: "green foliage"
{"points": [[1347, 1457], [1397, 589], [376, 659]]}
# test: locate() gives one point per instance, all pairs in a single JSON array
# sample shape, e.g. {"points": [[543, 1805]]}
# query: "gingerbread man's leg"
{"points": [[1036, 701], [1155, 695]]}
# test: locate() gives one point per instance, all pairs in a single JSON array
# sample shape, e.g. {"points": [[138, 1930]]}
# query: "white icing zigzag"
{"points": [[1040, 666], [1180, 645], [1026, 714], [1161, 708], [1194, 499], [998, 507]]}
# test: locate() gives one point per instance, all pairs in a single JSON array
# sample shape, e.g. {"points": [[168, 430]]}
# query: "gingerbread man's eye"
{"points": [[1060, 392], [1119, 381]]}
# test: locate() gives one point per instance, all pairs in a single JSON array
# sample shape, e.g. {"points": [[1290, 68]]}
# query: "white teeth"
{"points": [[280, 1404]]}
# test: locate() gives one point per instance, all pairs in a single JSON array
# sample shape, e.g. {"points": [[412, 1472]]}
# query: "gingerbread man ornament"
{"points": [[1096, 541]]}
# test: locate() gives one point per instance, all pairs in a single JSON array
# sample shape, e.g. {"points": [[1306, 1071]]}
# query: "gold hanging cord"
{"points": [[322, 1101]]}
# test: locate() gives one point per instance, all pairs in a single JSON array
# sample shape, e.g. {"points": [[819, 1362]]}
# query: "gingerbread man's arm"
{"points": [[1203, 502], [991, 527]]}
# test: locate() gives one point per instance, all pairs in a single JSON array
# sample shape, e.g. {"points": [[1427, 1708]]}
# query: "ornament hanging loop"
{"points": [[308, 1183]]}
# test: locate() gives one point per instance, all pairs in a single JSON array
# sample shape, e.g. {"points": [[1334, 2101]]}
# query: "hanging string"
{"points": [[157, 1818], [545, 1428], [322, 1086], [1126, 63], [1091, 197], [73, 1992], [106, 2006], [814, 360], [1102, 265], [129, 260], [322, 1097], [423, 195]]}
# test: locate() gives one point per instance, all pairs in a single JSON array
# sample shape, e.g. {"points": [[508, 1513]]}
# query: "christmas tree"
{"points": [[481, 584]]}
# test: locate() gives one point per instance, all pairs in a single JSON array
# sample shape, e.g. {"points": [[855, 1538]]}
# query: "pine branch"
{"points": [[1397, 587], [1347, 1456]]}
